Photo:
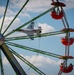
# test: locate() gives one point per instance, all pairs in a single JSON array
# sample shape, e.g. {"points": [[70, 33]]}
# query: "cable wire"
{"points": [[4, 15]]}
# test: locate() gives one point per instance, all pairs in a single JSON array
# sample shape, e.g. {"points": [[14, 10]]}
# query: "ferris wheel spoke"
{"points": [[35, 36], [4, 15], [33, 50], [16, 16], [60, 72], [68, 47], [63, 23], [27, 62], [29, 21], [1, 64], [65, 18], [63, 64]]}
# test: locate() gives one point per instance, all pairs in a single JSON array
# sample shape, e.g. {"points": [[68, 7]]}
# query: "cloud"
{"points": [[32, 73], [40, 5], [38, 61], [21, 14], [7, 21], [10, 12], [46, 28], [33, 5], [25, 15], [69, 4], [2, 8]]}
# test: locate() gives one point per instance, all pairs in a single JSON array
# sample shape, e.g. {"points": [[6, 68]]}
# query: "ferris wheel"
{"points": [[7, 41]]}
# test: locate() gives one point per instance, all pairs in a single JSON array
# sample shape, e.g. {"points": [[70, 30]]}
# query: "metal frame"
{"points": [[8, 52]]}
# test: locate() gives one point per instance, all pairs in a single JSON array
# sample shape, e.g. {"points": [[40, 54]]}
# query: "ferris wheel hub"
{"points": [[1, 39]]}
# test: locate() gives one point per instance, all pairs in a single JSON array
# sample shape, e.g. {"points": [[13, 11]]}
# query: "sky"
{"points": [[49, 65]]}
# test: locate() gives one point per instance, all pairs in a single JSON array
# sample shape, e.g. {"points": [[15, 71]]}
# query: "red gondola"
{"points": [[66, 69], [64, 41], [57, 16]]}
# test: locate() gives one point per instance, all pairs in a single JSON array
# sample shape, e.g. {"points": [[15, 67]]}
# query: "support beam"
{"points": [[33, 50], [36, 36], [14, 63]]}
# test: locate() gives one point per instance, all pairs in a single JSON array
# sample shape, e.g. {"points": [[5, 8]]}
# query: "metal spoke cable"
{"points": [[35, 57], [66, 51], [30, 21], [4, 15], [27, 62], [68, 43], [16, 16], [63, 23], [36, 36], [32, 63], [33, 50], [60, 72], [1, 64], [68, 47], [65, 18]]}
